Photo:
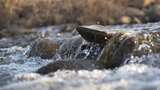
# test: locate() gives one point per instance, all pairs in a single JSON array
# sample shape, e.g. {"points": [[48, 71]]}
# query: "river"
{"points": [[136, 73]]}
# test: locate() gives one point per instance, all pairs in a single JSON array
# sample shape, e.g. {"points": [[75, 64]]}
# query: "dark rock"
{"points": [[120, 44], [153, 13], [70, 65], [117, 49], [44, 48], [92, 35]]}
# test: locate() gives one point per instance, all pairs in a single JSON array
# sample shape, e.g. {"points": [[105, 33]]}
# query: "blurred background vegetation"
{"points": [[36, 13]]}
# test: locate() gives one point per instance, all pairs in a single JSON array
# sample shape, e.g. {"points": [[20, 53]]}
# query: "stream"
{"points": [[136, 73]]}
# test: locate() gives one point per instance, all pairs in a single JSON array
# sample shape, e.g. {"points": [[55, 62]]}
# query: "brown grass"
{"points": [[33, 13]]}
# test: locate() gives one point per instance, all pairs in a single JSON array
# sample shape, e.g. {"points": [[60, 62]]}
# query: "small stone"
{"points": [[125, 19]]}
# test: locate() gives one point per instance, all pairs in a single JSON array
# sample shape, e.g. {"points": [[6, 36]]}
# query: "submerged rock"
{"points": [[121, 44], [69, 65], [44, 48]]}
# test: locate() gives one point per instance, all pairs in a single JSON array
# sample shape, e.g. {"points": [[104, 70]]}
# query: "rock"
{"points": [[117, 49], [70, 65], [125, 19], [122, 44], [92, 36], [140, 3], [44, 48], [153, 13], [134, 12], [132, 15], [75, 55]]}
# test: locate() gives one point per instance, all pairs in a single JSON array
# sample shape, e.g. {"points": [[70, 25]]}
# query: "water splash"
{"points": [[14, 60], [89, 51]]}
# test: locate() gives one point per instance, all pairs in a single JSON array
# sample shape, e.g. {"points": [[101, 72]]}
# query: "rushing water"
{"points": [[136, 73], [14, 61]]}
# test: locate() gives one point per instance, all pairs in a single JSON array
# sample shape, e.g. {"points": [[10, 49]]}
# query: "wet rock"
{"points": [[70, 65], [121, 44], [121, 47], [44, 48], [117, 49], [92, 36], [77, 58]]}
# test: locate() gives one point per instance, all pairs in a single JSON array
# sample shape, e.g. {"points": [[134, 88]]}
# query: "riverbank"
{"points": [[37, 13]]}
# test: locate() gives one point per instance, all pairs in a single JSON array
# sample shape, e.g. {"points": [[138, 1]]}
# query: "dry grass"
{"points": [[33, 13]]}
